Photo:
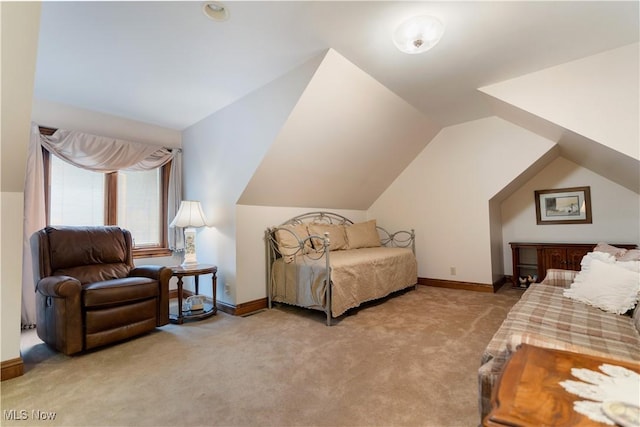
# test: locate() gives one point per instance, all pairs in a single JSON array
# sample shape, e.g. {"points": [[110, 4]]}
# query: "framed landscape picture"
{"points": [[563, 206]]}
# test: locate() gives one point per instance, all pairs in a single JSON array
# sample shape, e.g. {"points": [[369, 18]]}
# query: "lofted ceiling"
{"points": [[167, 64]]}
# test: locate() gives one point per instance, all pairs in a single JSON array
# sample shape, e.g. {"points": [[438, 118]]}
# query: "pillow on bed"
{"points": [[288, 243], [609, 287], [600, 256], [611, 250], [363, 235], [337, 236], [631, 255]]}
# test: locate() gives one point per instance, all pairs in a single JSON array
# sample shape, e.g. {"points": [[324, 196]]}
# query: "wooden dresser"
{"points": [[534, 259]]}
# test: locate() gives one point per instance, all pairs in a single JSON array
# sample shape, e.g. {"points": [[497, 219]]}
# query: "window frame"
{"points": [[111, 202]]}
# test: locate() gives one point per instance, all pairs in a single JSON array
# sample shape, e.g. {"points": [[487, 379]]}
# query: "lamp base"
{"points": [[188, 264], [189, 248]]}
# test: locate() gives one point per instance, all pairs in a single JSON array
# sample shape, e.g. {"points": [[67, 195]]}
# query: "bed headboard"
{"points": [[400, 239], [319, 217]]}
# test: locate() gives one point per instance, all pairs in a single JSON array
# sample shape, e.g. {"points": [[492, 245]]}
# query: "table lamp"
{"points": [[189, 217]]}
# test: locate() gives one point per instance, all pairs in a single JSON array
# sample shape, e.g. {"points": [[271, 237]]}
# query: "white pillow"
{"points": [[629, 265], [609, 287], [602, 256]]}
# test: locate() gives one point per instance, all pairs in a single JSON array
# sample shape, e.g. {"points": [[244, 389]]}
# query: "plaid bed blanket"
{"points": [[544, 317]]}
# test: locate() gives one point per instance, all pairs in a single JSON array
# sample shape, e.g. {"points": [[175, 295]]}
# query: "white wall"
{"points": [[444, 194], [222, 152], [334, 149], [615, 210], [252, 221], [597, 97], [19, 39], [11, 272]]}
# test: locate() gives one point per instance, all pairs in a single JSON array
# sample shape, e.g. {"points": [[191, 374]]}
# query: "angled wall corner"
{"points": [[589, 106], [346, 140], [599, 158], [603, 160], [19, 41], [222, 152], [597, 97], [499, 248], [444, 195]]}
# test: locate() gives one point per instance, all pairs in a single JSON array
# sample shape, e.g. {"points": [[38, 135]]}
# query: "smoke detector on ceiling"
{"points": [[215, 10]]}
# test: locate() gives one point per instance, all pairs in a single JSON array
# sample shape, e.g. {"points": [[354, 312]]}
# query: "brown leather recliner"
{"points": [[89, 293]]}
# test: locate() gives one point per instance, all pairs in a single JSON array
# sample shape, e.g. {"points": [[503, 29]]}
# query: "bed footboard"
{"points": [[399, 239], [296, 247]]}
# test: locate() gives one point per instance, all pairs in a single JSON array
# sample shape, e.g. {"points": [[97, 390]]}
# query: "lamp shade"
{"points": [[189, 215], [418, 34]]}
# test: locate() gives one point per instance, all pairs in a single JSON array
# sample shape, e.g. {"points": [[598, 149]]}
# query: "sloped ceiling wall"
{"points": [[589, 106], [443, 194], [222, 152], [344, 143]]}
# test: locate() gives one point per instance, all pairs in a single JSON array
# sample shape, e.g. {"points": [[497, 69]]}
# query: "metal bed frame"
{"points": [[399, 239]]}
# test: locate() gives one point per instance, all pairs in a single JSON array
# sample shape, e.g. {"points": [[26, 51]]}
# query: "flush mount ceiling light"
{"points": [[215, 10], [418, 34]]}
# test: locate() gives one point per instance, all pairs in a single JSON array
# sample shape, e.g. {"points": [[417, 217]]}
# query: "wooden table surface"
{"points": [[529, 392]]}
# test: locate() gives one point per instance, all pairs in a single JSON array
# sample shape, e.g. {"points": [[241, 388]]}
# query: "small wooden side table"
{"points": [[529, 391], [196, 270]]}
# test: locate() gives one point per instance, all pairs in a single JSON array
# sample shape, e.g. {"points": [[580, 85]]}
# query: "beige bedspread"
{"points": [[358, 275]]}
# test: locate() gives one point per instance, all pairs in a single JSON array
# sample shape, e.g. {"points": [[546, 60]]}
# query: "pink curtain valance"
{"points": [[103, 154]]}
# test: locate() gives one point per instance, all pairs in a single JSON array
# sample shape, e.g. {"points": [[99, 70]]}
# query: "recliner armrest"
{"points": [[59, 324], [150, 271], [59, 286], [162, 274]]}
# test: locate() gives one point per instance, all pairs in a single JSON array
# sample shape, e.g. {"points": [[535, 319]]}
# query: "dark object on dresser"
{"points": [[89, 293]]}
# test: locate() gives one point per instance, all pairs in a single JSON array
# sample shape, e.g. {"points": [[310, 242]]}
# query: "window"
{"points": [[76, 195], [136, 201], [139, 206]]}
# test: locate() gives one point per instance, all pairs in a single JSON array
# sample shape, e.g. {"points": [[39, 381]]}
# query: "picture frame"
{"points": [[563, 206]]}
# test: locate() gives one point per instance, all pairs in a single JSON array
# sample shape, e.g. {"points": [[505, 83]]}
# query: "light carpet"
{"points": [[409, 360]]}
